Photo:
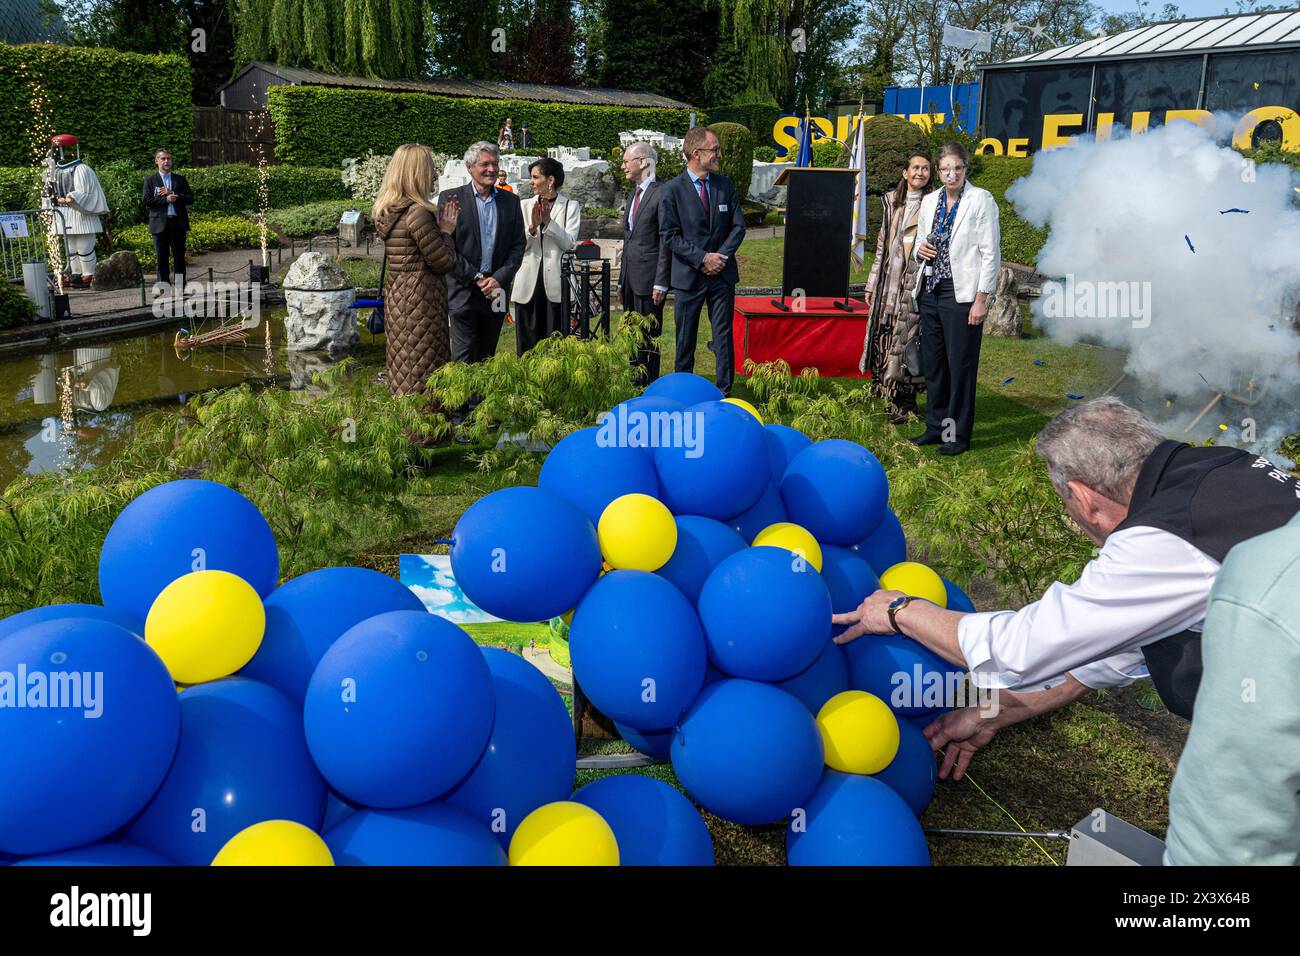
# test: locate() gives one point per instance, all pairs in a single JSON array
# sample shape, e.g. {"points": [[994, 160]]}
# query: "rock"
{"points": [[302, 367], [316, 272], [320, 320], [591, 182], [121, 270], [1003, 319], [601, 227], [761, 184]]}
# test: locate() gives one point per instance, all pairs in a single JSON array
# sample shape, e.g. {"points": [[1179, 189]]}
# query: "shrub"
{"points": [[122, 181], [940, 134], [316, 125], [15, 308], [827, 153], [362, 176], [20, 187], [120, 105], [889, 139], [1021, 242], [758, 118], [591, 212], [207, 234], [737, 162], [671, 163], [312, 219], [765, 154], [232, 189]]}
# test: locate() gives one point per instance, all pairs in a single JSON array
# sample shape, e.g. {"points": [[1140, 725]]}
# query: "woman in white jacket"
{"points": [[961, 256], [551, 222]]}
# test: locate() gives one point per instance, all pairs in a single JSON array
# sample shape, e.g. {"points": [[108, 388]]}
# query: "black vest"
{"points": [[1214, 499]]}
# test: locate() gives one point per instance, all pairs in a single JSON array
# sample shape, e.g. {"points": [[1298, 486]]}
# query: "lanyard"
{"points": [[946, 221]]}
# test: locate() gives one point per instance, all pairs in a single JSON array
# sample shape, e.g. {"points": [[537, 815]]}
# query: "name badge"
{"points": [[722, 207]]}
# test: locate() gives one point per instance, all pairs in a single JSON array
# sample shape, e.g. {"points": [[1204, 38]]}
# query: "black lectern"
{"points": [[818, 227]]}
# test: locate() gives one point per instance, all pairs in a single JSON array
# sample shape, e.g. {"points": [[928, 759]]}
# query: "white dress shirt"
{"points": [[1144, 585]]}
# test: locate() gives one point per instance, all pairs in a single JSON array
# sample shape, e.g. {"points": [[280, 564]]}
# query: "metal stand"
{"points": [[589, 278]]}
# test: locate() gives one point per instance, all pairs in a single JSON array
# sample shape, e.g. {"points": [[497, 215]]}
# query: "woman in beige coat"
{"points": [[417, 240], [894, 323]]}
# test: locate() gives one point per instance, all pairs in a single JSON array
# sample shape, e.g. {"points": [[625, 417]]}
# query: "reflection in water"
{"points": [[77, 407]]}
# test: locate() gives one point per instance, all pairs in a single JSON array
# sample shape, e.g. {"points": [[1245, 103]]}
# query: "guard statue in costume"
{"points": [[74, 189]]}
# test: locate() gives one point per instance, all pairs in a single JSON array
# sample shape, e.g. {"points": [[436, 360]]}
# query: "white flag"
{"points": [[858, 161], [976, 41]]}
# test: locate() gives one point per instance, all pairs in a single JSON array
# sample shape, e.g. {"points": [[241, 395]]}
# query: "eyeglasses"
{"points": [[710, 149], [951, 170]]}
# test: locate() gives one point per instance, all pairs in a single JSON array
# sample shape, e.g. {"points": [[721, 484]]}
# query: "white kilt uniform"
{"points": [[79, 220]]}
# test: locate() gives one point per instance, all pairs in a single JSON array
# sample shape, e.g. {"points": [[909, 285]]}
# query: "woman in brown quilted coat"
{"points": [[417, 240], [894, 322]]}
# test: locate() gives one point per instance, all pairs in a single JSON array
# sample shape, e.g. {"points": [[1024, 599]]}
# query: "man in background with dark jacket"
{"points": [[167, 196], [702, 224], [643, 273]]}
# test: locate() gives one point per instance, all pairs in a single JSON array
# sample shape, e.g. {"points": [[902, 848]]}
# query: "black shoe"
{"points": [[926, 439], [952, 448]]}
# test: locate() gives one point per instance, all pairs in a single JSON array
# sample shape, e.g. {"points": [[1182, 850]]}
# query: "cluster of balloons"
{"points": [[699, 556], [205, 715]]}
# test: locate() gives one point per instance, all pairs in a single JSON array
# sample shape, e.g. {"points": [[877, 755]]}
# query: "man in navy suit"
{"points": [[701, 223]]}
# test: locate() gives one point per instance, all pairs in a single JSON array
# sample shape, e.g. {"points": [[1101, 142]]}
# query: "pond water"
{"points": [[77, 407]]}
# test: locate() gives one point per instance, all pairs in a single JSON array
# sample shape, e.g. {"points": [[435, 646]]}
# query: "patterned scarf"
{"points": [[941, 237]]}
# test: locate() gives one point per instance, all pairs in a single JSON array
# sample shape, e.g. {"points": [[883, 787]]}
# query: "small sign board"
{"points": [[13, 226], [350, 217]]}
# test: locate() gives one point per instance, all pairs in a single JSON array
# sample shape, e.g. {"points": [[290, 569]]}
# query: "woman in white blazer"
{"points": [[551, 222], [960, 256]]}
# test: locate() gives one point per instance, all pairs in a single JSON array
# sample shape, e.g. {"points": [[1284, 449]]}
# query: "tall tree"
{"points": [[542, 50], [820, 47], [665, 48]]}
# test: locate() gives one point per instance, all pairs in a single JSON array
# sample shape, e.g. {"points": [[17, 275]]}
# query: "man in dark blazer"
{"points": [[702, 224], [167, 196], [643, 275], [489, 246]]}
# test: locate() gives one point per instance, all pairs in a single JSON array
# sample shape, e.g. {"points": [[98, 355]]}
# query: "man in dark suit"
{"points": [[702, 224], [643, 275], [167, 196], [489, 241]]}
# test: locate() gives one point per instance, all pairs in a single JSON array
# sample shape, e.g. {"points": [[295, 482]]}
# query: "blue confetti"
{"points": [[1074, 396], [1010, 380], [1039, 362], [1224, 212], [1189, 243]]}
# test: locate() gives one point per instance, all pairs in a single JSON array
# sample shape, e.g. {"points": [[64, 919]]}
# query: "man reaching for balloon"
{"points": [[1164, 516]]}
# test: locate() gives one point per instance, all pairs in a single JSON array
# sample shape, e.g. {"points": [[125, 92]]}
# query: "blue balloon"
{"points": [[100, 854], [749, 752], [429, 835], [849, 579], [702, 544], [837, 490], [884, 547], [65, 612], [640, 668], [175, 529], [685, 387], [957, 598], [593, 466], [856, 821], [650, 403], [531, 755], [241, 759], [783, 443], [653, 824], [907, 676], [768, 510], [308, 614], [826, 677], [88, 726], [399, 709], [911, 774], [766, 617], [721, 470], [652, 743], [337, 809], [524, 554]]}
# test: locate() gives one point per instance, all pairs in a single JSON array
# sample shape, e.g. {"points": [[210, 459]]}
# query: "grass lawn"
{"points": [[1108, 750]]}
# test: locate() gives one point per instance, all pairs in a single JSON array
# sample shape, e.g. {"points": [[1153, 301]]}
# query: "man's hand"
{"points": [[488, 286], [927, 251], [871, 617], [658, 296], [714, 263], [962, 732]]}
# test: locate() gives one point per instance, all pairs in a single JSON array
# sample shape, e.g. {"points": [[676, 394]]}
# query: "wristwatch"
{"points": [[897, 605], [479, 277]]}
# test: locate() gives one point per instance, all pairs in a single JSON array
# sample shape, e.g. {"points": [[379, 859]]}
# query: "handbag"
{"points": [[912, 359], [375, 320]]}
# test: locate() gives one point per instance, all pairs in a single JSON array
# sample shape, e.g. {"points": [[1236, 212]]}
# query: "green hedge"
{"points": [[758, 118], [120, 105], [322, 127], [737, 162], [207, 233], [15, 308], [19, 185], [312, 219], [1020, 241]]}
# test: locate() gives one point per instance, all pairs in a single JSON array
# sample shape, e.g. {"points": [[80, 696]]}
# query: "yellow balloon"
{"points": [[564, 833], [205, 626], [637, 533], [859, 732], [274, 843], [794, 538], [741, 403], [914, 578]]}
